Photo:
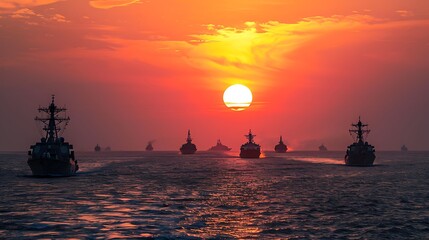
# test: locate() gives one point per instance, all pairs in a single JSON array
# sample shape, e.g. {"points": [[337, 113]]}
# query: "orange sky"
{"points": [[131, 71]]}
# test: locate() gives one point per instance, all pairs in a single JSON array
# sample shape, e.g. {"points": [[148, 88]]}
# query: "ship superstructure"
{"points": [[52, 156], [360, 153]]}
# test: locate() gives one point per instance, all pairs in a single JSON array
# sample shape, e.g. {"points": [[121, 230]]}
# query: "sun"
{"points": [[237, 97]]}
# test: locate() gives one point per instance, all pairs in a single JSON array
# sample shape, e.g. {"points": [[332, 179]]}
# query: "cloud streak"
{"points": [[33, 18], [11, 5], [107, 4]]}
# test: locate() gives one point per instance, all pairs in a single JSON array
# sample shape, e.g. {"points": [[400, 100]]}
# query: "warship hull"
{"points": [[280, 149], [359, 158], [52, 167], [220, 149], [187, 151], [188, 148], [250, 153]]}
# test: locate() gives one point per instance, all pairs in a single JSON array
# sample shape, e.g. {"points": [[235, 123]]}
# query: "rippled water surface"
{"points": [[301, 195]]}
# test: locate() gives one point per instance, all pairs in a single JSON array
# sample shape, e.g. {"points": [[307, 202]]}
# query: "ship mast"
{"points": [[52, 120], [189, 139], [359, 131], [250, 136], [281, 139]]}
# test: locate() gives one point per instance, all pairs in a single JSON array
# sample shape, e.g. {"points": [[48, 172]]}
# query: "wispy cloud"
{"points": [[33, 18], [8, 5], [106, 4], [24, 13], [405, 13]]}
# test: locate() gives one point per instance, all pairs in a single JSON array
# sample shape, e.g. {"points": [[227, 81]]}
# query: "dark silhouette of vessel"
{"points": [[360, 153], [404, 148], [188, 147], [107, 149], [52, 156], [220, 147], [281, 147], [149, 146], [323, 148], [250, 149], [97, 148]]}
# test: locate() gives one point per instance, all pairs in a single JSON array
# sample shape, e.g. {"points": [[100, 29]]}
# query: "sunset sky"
{"points": [[131, 71]]}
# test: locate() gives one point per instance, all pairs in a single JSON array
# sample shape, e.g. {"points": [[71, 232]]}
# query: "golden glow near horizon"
{"points": [[237, 97]]}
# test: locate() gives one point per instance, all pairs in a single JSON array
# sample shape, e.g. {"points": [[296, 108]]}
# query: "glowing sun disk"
{"points": [[237, 97]]}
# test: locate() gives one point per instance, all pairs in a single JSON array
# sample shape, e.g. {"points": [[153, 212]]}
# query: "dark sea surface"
{"points": [[297, 195]]}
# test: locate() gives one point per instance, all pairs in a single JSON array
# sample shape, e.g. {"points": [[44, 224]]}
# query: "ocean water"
{"points": [[164, 195]]}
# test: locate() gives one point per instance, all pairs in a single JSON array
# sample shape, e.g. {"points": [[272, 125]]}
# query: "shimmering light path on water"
{"points": [[163, 194]]}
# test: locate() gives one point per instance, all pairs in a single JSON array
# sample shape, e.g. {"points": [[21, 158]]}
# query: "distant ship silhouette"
{"points": [[250, 149], [360, 153], [404, 148], [149, 146], [97, 148], [188, 147], [323, 148], [281, 147], [220, 147], [52, 156]]}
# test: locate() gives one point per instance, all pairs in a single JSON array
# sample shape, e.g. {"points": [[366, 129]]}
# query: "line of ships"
{"points": [[53, 156]]}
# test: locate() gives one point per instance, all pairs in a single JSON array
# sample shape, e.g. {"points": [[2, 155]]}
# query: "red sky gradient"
{"points": [[132, 71]]}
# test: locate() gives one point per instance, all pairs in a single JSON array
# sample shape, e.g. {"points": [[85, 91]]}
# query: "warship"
{"points": [[250, 149], [281, 147], [404, 148], [52, 156], [97, 148], [188, 147], [220, 147], [149, 146], [360, 153], [323, 148]]}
